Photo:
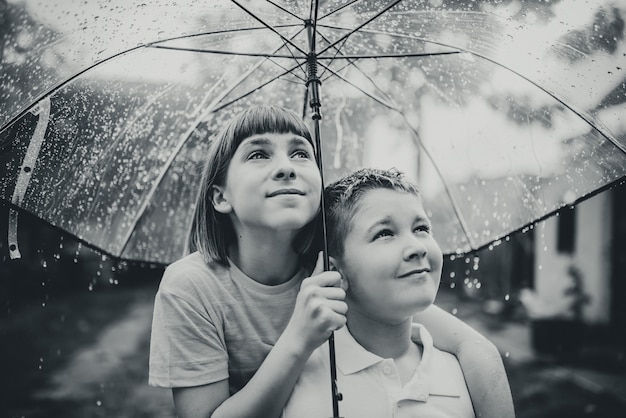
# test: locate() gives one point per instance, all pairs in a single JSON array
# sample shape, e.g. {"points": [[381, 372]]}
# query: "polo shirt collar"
{"points": [[351, 357]]}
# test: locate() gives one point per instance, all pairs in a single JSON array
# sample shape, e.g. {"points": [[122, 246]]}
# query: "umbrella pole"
{"points": [[313, 83]]}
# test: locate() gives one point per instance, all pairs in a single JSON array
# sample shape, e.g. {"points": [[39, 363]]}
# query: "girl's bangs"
{"points": [[270, 119]]}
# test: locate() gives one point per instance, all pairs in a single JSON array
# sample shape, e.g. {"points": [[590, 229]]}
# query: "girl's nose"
{"points": [[284, 169], [415, 247]]}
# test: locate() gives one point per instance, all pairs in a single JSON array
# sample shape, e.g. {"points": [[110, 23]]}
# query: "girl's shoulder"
{"points": [[192, 269]]}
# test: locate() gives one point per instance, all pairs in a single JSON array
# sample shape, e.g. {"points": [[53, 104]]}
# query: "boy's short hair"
{"points": [[343, 199]]}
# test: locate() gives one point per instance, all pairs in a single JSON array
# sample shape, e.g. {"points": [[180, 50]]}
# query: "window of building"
{"points": [[566, 230]]}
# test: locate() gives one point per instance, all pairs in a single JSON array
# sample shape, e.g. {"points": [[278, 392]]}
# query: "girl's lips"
{"points": [[285, 191]]}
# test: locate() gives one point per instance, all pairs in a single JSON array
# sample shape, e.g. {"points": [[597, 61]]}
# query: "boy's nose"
{"points": [[414, 248]]}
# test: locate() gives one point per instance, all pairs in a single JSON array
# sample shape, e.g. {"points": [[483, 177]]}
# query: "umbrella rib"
{"points": [[59, 85], [611, 184], [354, 30], [289, 12], [221, 52], [410, 55], [337, 51], [270, 27], [339, 8], [210, 108], [460, 217], [255, 89], [593, 123], [455, 205], [386, 104], [350, 62], [353, 63], [146, 105]]}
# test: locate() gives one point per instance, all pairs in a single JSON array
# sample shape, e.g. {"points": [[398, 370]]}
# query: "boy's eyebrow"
{"points": [[384, 221], [387, 220]]}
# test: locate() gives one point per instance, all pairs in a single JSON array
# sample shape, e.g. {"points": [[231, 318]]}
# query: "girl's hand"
{"points": [[320, 309]]}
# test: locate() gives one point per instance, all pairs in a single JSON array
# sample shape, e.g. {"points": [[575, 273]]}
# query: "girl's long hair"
{"points": [[212, 232]]}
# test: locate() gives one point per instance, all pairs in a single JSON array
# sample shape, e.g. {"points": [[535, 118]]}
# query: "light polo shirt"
{"points": [[371, 386]]}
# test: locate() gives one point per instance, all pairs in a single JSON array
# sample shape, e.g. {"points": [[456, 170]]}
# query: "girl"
{"points": [[236, 319]]}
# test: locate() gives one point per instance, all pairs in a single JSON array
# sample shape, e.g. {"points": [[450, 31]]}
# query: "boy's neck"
{"points": [[266, 258], [384, 340]]}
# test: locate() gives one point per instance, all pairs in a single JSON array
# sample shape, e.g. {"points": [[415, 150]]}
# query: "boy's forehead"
{"points": [[382, 202]]}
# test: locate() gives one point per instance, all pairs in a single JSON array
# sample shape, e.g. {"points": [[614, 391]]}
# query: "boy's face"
{"points": [[391, 261]]}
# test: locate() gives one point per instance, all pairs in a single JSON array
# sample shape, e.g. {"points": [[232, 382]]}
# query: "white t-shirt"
{"points": [[371, 386], [212, 323]]}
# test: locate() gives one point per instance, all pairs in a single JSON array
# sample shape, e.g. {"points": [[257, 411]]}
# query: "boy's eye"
{"points": [[383, 233], [423, 228]]}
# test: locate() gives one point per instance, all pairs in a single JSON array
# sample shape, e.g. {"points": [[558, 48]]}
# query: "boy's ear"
{"points": [[219, 200], [334, 266]]}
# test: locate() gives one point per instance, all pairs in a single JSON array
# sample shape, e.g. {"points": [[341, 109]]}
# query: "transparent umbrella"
{"points": [[504, 112]]}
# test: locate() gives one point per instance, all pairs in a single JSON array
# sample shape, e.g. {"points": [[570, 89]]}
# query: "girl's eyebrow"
{"points": [[258, 141], [297, 140]]}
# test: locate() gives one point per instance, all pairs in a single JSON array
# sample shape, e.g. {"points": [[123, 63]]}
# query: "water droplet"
{"points": [[507, 297], [99, 403], [454, 311], [507, 354]]}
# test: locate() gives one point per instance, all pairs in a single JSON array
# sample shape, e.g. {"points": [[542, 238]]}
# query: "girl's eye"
{"points": [[383, 233], [256, 155], [301, 154]]}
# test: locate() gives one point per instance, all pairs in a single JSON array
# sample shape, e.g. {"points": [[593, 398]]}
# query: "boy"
{"points": [[380, 241]]}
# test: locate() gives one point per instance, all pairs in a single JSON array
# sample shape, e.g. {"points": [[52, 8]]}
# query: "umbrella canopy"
{"points": [[504, 112]]}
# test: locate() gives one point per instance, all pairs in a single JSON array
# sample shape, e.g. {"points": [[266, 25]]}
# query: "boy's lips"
{"points": [[286, 192]]}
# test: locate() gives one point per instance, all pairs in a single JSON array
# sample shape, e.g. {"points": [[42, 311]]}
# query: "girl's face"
{"points": [[272, 182], [390, 259]]}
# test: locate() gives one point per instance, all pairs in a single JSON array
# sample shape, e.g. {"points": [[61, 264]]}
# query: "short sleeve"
{"points": [[187, 347]]}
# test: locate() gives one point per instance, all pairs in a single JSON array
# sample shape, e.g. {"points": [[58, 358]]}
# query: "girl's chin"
{"points": [[287, 222]]}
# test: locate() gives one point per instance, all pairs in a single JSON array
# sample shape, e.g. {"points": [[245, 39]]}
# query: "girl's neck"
{"points": [[267, 257], [383, 339]]}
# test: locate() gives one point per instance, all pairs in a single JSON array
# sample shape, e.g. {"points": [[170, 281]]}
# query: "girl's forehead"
{"points": [[272, 138]]}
